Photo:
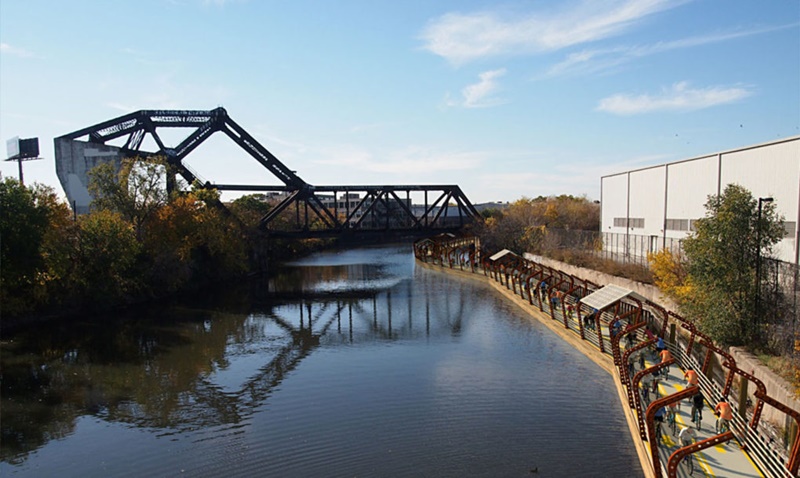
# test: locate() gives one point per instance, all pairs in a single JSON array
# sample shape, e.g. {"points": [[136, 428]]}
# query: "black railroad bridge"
{"points": [[313, 211]]}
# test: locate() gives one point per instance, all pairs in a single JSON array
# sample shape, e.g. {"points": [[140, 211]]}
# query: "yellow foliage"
{"points": [[670, 276], [796, 366]]}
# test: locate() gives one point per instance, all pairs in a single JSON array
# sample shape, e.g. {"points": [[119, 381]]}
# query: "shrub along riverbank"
{"points": [[137, 244]]}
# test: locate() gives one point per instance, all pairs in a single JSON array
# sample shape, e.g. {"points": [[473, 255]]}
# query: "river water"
{"points": [[352, 363]]}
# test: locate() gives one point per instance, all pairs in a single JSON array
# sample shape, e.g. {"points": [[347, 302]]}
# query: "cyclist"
{"points": [[697, 406], [589, 319], [672, 411], [614, 328], [665, 356], [687, 436], [660, 345], [659, 422], [555, 297], [656, 380], [630, 339], [646, 384], [691, 377], [725, 414], [631, 365]]}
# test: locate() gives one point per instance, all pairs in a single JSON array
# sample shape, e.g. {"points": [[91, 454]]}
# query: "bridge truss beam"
{"points": [[324, 211], [315, 211]]}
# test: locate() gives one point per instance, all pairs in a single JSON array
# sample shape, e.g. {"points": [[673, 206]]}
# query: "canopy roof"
{"points": [[608, 295], [501, 254]]}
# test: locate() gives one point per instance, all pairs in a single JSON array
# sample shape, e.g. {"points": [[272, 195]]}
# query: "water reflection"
{"points": [[189, 367], [355, 363]]}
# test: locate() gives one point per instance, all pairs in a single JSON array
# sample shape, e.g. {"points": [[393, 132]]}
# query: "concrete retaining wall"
{"points": [[777, 387], [600, 278]]}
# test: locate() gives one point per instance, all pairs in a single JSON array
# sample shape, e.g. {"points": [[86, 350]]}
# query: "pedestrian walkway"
{"points": [[724, 460], [727, 460]]}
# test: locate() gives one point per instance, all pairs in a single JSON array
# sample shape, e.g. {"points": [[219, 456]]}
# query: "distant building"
{"points": [[662, 202], [499, 205]]}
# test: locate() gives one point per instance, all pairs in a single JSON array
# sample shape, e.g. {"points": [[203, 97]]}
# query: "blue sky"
{"points": [[505, 99]]}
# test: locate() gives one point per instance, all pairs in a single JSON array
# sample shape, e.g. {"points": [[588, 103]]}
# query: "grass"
{"points": [[635, 272], [784, 367]]}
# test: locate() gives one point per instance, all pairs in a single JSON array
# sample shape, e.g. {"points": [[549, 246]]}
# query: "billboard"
{"points": [[22, 148]]}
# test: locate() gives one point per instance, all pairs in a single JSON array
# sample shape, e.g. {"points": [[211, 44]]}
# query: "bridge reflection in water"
{"points": [[351, 363]]}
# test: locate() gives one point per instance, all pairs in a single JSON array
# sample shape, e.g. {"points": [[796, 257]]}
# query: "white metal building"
{"points": [[661, 202]]}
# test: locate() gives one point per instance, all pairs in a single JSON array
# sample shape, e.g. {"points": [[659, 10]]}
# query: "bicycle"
{"points": [[722, 428], [671, 423], [697, 417], [689, 463], [659, 436]]}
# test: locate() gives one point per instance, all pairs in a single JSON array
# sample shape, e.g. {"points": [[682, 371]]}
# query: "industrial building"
{"points": [[657, 205]]}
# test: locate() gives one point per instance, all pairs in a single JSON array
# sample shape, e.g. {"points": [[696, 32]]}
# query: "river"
{"points": [[349, 363]]}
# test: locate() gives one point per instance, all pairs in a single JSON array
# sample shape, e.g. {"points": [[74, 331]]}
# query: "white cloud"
{"points": [[479, 95], [7, 49], [461, 38], [592, 61], [679, 97]]}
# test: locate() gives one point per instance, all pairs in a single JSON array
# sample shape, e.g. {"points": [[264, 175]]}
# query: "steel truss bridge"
{"points": [[304, 210]]}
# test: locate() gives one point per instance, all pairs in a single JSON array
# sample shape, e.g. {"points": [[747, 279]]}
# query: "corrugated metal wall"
{"points": [[663, 200]]}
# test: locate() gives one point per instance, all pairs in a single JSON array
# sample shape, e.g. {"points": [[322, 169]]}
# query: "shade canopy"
{"points": [[602, 298]]}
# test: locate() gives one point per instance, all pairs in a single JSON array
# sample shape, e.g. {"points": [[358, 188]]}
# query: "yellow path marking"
{"points": [[699, 457]]}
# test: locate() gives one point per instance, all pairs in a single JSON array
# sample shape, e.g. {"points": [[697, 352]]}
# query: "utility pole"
{"points": [[761, 201]]}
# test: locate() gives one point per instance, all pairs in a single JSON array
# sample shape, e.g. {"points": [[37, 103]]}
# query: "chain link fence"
{"points": [[781, 300], [618, 247]]}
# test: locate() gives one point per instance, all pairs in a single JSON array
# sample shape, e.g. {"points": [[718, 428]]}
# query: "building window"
{"points": [[634, 222], [677, 224], [789, 228]]}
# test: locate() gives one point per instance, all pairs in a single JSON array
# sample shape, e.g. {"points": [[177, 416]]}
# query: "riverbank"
{"points": [[605, 362]]}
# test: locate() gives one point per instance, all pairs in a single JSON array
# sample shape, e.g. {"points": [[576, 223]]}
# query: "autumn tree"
{"points": [[31, 219], [135, 191], [105, 260], [250, 208], [534, 225], [716, 285], [22, 229]]}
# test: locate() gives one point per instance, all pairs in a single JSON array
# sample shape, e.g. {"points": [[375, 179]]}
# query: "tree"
{"points": [[28, 218], [105, 260], [136, 191], [22, 228], [250, 208], [721, 258], [529, 225], [670, 276]]}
